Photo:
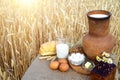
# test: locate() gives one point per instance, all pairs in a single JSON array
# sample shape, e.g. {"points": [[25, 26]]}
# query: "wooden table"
{"points": [[39, 70]]}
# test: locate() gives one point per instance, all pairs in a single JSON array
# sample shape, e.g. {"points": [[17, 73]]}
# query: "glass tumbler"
{"points": [[62, 48]]}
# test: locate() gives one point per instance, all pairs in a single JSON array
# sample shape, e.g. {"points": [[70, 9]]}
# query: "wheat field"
{"points": [[24, 26]]}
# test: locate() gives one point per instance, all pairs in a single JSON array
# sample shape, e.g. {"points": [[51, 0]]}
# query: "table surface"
{"points": [[39, 70]]}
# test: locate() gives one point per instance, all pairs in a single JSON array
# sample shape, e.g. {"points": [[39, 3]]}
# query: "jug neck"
{"points": [[98, 21]]}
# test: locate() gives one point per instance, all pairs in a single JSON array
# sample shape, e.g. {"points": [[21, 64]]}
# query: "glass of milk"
{"points": [[62, 48]]}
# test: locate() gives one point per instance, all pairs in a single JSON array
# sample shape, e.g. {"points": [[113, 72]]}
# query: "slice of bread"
{"points": [[48, 48]]}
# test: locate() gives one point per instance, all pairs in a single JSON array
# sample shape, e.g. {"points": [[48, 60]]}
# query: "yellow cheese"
{"points": [[88, 65]]}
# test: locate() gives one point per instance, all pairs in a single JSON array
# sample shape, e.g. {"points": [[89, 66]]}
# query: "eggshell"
{"points": [[64, 67], [62, 60], [54, 65]]}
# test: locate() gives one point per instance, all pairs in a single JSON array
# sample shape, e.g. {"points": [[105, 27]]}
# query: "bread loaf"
{"points": [[48, 48]]}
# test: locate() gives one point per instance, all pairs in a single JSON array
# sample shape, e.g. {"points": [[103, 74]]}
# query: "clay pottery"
{"points": [[98, 38]]}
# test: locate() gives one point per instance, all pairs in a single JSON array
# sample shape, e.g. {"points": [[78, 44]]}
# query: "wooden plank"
{"points": [[39, 70]]}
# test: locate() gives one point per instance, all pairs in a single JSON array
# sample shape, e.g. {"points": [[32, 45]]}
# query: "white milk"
{"points": [[62, 50], [98, 15]]}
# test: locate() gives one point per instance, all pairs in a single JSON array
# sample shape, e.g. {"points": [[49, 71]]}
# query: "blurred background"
{"points": [[26, 24]]}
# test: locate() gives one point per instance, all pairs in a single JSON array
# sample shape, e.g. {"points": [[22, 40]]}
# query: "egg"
{"points": [[62, 60], [54, 65], [64, 67]]}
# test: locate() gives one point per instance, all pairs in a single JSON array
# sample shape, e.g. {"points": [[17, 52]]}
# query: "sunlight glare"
{"points": [[26, 2]]}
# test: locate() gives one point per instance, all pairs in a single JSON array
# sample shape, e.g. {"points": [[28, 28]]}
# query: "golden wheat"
{"points": [[24, 28]]}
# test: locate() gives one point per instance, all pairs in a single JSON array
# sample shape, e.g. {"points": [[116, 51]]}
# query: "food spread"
{"points": [[93, 57], [103, 67]]}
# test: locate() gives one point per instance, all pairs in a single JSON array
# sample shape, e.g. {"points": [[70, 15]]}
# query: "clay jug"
{"points": [[98, 38]]}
